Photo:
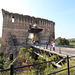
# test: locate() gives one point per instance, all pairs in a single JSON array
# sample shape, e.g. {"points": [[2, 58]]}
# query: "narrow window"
{"points": [[13, 19]]}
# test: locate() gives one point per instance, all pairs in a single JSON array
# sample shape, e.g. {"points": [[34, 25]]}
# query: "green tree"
{"points": [[58, 41], [62, 41]]}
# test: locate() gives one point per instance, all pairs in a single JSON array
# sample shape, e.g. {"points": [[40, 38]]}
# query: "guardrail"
{"points": [[12, 68]]}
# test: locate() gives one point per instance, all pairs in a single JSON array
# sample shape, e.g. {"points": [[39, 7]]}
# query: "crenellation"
{"points": [[43, 21], [29, 19], [46, 22], [24, 19], [33, 20]]}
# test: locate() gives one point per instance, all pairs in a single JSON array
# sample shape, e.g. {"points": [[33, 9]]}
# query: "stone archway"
{"points": [[33, 29]]}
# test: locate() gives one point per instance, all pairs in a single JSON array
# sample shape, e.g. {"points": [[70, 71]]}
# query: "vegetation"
{"points": [[62, 41], [72, 42], [0, 42], [65, 72], [45, 68], [25, 58], [1, 60], [8, 62], [65, 42]]}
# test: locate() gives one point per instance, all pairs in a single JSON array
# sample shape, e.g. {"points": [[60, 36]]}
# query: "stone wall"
{"points": [[18, 25]]}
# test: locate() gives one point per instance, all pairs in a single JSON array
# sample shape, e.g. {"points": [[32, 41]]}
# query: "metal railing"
{"points": [[12, 68]]}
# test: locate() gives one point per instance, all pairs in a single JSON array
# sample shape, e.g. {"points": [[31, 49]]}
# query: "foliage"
{"points": [[1, 60], [7, 63], [65, 42], [25, 55], [72, 42], [11, 56], [1, 53], [62, 41], [1, 66], [42, 69], [21, 52], [49, 69]]}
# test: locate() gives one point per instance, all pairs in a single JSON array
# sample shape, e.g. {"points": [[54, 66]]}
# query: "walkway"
{"points": [[62, 51]]}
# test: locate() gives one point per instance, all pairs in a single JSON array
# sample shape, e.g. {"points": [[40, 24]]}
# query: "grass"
{"points": [[51, 70], [72, 70]]}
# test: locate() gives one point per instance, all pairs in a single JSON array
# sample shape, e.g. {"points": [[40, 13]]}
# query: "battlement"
{"points": [[20, 18]]}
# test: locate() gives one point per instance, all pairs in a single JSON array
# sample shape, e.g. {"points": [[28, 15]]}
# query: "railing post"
{"points": [[68, 65], [12, 70], [59, 50]]}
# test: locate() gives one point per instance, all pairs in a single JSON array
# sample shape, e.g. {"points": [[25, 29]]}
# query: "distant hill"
{"points": [[71, 39]]}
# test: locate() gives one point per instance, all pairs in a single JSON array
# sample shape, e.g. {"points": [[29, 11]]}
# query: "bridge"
{"points": [[60, 52]]}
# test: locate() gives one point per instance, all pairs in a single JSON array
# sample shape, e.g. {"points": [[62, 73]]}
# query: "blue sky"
{"points": [[62, 12]]}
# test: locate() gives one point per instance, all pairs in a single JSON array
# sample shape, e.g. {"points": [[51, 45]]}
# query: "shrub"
{"points": [[1, 53], [1, 66], [11, 56], [1, 60]]}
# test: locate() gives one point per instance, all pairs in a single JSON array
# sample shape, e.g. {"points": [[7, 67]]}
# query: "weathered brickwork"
{"points": [[18, 25]]}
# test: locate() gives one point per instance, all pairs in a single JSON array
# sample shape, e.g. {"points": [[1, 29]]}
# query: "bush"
{"points": [[11, 56], [62, 41], [1, 66], [1, 53], [1, 60]]}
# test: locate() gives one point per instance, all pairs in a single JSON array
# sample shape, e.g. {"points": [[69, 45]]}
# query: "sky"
{"points": [[62, 12]]}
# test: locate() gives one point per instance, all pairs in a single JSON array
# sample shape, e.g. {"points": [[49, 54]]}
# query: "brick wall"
{"points": [[18, 25]]}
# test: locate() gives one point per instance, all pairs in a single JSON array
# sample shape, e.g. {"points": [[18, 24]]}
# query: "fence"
{"points": [[12, 68]]}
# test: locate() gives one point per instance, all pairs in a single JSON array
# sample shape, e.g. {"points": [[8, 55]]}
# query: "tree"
{"points": [[62, 41]]}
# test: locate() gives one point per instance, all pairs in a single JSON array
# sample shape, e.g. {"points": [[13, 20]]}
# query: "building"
{"points": [[16, 28]]}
